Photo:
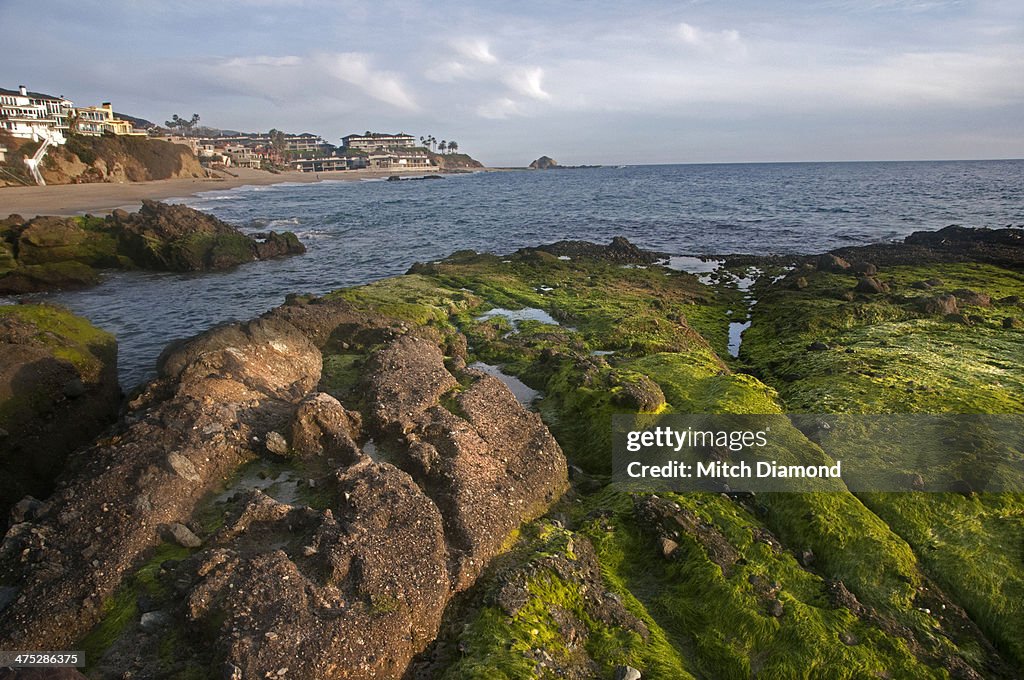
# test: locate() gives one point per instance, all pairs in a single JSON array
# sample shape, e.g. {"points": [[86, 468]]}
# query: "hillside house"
{"points": [[27, 114]]}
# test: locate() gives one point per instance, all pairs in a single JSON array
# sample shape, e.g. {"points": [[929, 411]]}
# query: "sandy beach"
{"points": [[100, 198]]}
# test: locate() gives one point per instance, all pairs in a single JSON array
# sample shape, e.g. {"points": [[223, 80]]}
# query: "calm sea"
{"points": [[365, 230]]}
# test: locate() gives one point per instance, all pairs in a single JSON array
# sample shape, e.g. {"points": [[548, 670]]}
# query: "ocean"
{"points": [[359, 231]]}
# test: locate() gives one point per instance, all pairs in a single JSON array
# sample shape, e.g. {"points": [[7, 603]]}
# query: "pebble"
{"points": [[277, 444], [154, 621], [627, 673], [183, 536]]}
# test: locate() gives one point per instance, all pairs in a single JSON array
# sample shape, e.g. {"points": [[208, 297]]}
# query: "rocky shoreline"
{"points": [[47, 252], [336, 490]]}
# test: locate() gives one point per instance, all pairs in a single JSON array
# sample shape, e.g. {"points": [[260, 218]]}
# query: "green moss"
{"points": [[69, 337]]}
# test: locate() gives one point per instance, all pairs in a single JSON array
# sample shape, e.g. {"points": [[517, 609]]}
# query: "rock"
{"points": [[58, 390], [620, 250], [921, 285], [848, 638], [231, 672], [639, 393], [667, 546], [1012, 322], [832, 263], [972, 299], [7, 595], [806, 557], [626, 673], [183, 536], [277, 444], [74, 388], [45, 240], [544, 163], [871, 286], [25, 510], [276, 244], [958, 318], [934, 282], [776, 608], [818, 346], [864, 269], [323, 427], [940, 304], [800, 283], [1009, 300], [151, 622]]}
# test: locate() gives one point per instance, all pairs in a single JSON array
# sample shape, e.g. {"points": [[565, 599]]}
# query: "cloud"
{"points": [[499, 109], [476, 50], [355, 68], [527, 82], [725, 42], [245, 62]]}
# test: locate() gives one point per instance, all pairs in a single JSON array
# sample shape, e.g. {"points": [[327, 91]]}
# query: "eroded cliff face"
{"points": [[344, 573], [119, 159]]}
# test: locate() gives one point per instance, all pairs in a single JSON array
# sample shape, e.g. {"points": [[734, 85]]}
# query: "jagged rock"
{"points": [[1010, 322], [362, 605], [776, 608], [806, 557], [245, 377], [45, 240], [667, 546], [276, 444], [818, 346], [323, 427], [832, 263], [488, 468], [667, 518]]}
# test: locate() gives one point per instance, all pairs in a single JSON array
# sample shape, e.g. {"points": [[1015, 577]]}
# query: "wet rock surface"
{"points": [[351, 589]]}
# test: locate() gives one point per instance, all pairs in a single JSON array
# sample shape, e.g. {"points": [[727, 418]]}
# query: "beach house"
{"points": [[98, 120], [27, 114], [377, 141]]}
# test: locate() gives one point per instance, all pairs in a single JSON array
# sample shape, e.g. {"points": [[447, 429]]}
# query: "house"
{"points": [[3, 153], [331, 163], [399, 160], [29, 115], [244, 156], [98, 120], [376, 141]]}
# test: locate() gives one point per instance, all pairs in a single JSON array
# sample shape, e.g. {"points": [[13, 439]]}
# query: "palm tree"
{"points": [[442, 146], [453, 146]]}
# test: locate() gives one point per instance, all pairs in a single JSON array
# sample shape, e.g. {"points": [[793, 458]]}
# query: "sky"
{"points": [[583, 81]]}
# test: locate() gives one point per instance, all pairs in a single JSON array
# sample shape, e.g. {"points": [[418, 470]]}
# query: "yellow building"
{"points": [[97, 120]]}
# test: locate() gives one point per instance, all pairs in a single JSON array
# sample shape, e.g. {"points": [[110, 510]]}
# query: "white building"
{"points": [[378, 141], [28, 115]]}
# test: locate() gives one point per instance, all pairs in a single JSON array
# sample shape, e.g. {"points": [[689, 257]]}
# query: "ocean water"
{"points": [[365, 230]]}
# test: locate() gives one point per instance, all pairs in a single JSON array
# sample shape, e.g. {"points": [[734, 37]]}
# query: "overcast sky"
{"points": [[583, 82]]}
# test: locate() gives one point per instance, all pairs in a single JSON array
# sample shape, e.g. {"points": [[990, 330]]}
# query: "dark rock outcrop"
{"points": [[353, 589], [619, 250], [48, 253], [544, 163], [58, 390]]}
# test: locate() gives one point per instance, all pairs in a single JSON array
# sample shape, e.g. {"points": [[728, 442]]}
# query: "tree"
{"points": [[278, 143], [442, 146], [183, 125], [453, 146]]}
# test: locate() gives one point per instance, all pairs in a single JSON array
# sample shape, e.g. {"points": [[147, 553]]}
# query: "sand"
{"points": [[101, 198]]}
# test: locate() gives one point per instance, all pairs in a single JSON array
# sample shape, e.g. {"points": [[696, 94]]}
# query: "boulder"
{"points": [[970, 298], [864, 269], [50, 239], [871, 286], [323, 427], [832, 263], [58, 390], [940, 304]]}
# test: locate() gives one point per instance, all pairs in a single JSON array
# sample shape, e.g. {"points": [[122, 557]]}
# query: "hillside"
{"points": [[101, 159], [454, 161]]}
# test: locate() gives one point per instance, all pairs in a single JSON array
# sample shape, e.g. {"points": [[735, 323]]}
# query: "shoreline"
{"points": [[102, 198]]}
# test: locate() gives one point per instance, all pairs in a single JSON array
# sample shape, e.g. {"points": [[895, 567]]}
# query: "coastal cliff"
{"points": [[103, 159], [410, 479]]}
